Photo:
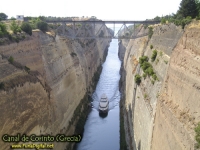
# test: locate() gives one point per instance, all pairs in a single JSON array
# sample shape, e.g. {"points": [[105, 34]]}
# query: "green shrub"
{"points": [[197, 136], [145, 66], [15, 27], [143, 59], [151, 46], [144, 75], [154, 76], [11, 59], [163, 21], [3, 30], [26, 27], [145, 95], [150, 33], [153, 57], [181, 22], [149, 71], [15, 38], [152, 82], [43, 26], [138, 79], [198, 17]]}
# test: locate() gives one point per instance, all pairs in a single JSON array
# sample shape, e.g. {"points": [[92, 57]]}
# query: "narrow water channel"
{"points": [[103, 133]]}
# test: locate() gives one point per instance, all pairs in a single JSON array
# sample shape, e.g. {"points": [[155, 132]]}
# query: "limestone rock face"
{"points": [[178, 107], [163, 114], [43, 100]]}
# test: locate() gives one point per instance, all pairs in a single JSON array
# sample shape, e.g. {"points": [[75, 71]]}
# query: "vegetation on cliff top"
{"points": [[188, 10], [14, 31], [15, 27], [26, 27], [3, 30], [3, 16]]}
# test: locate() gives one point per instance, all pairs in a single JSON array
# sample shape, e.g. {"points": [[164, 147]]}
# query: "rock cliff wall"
{"points": [[162, 114], [42, 100]]}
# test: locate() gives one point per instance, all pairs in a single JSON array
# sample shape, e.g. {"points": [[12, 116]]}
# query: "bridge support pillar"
{"points": [[64, 26], [114, 29], [74, 29], [124, 28]]}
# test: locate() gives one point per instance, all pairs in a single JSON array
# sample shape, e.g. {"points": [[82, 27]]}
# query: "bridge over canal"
{"points": [[123, 27]]}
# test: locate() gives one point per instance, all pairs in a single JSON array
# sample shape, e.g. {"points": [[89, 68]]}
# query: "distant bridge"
{"points": [[123, 33]]}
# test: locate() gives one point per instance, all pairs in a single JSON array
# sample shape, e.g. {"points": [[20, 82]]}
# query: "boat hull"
{"points": [[103, 111]]}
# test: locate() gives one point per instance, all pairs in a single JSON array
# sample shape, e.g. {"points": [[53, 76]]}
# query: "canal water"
{"points": [[102, 133]]}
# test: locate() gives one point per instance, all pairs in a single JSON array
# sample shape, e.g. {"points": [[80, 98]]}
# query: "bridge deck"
{"points": [[103, 21]]}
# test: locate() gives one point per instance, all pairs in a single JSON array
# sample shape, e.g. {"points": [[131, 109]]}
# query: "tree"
{"points": [[43, 26], [12, 18], [33, 22], [198, 6], [3, 30], [15, 27], [43, 18], [3, 16], [187, 8], [26, 27], [157, 18]]}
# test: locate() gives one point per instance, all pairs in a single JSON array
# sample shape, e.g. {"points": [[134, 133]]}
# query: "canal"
{"points": [[102, 133]]}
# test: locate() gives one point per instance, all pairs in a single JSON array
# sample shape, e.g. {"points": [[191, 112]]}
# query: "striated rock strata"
{"points": [[162, 114], [42, 100]]}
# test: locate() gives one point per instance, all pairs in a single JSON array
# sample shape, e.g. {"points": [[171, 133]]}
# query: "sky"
{"points": [[102, 9]]}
